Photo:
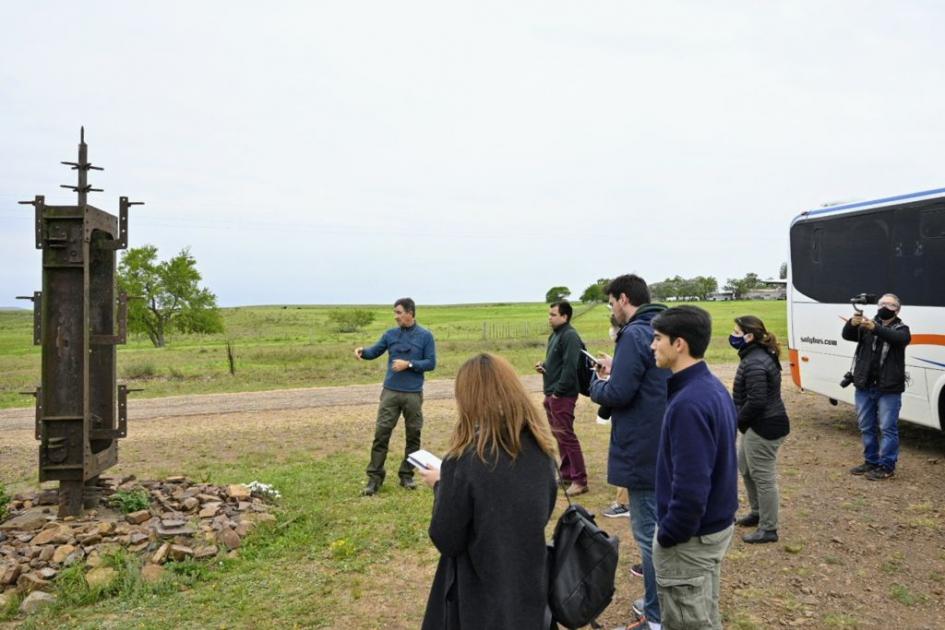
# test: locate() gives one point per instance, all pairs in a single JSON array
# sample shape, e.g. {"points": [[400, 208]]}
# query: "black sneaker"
{"points": [[370, 488], [761, 536], [407, 483], [637, 570], [749, 520], [879, 473], [863, 468]]}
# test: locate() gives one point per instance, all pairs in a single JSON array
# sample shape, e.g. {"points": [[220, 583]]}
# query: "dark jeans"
{"points": [[561, 417], [393, 404], [878, 417]]}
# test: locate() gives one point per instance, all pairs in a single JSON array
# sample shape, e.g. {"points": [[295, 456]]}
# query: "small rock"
{"points": [[191, 503], [229, 538], [159, 556], [180, 552], [9, 575], [36, 600], [100, 577], [30, 582], [104, 529], [47, 553], [28, 522], [238, 491], [90, 539], [244, 528], [94, 560], [56, 534], [175, 479], [209, 510], [136, 518], [62, 552], [138, 537], [205, 551], [242, 506], [152, 573], [47, 573]]}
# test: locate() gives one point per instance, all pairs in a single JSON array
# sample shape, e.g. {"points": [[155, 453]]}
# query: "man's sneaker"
{"points": [[863, 468], [761, 536], [637, 606], [603, 420], [617, 510], [879, 473], [407, 483], [370, 488], [749, 520], [640, 624], [637, 570]]}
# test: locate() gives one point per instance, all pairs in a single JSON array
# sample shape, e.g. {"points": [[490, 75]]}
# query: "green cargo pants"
{"points": [[687, 581], [392, 405]]}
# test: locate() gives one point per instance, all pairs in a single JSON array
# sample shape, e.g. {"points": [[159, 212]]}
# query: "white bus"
{"points": [[893, 245]]}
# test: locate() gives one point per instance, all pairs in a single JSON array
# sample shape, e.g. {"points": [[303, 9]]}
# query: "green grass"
{"points": [[296, 346]]}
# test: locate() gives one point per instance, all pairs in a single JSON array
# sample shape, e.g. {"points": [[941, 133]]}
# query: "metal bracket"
{"points": [[122, 241], [39, 410], [123, 392], [38, 203], [122, 317], [37, 300]]}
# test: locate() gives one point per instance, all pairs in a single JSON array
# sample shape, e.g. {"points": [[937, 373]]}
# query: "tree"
{"points": [[350, 320], [556, 293], [595, 292], [740, 286], [172, 299], [782, 272], [704, 286]]}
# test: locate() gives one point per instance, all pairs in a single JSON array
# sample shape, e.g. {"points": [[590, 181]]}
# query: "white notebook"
{"points": [[424, 459]]}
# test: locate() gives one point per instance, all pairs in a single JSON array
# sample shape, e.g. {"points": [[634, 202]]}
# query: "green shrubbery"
{"points": [[350, 320], [4, 499], [129, 501]]}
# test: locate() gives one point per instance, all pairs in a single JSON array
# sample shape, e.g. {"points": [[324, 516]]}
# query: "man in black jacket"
{"points": [[879, 375]]}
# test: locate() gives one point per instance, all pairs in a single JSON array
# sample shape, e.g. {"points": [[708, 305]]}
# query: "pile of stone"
{"points": [[185, 520]]}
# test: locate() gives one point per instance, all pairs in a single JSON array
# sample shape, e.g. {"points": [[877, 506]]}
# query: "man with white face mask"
{"points": [[879, 375]]}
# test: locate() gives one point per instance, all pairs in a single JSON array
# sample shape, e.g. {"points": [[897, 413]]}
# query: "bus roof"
{"points": [[864, 205]]}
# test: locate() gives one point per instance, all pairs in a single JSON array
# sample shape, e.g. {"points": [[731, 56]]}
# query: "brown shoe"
{"points": [[575, 489]]}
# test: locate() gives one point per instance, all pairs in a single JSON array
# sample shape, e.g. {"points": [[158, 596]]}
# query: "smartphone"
{"points": [[591, 357]]}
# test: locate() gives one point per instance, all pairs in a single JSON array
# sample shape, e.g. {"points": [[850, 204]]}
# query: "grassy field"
{"points": [[282, 347]]}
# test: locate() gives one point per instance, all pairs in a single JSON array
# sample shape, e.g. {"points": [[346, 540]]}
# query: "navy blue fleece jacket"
{"points": [[414, 344], [696, 469]]}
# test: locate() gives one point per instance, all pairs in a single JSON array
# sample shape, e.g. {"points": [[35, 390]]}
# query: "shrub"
{"points": [[129, 501], [4, 499], [140, 371], [350, 320]]}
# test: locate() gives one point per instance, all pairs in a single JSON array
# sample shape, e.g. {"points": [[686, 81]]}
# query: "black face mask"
{"points": [[885, 313]]}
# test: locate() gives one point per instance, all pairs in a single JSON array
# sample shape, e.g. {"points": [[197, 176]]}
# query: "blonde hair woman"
{"points": [[493, 497]]}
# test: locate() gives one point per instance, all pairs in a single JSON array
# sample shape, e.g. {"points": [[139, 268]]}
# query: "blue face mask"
{"points": [[737, 341]]}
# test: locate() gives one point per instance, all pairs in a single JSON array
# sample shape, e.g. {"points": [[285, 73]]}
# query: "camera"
{"points": [[862, 299], [846, 380]]}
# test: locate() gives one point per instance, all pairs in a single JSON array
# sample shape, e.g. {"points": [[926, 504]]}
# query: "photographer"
{"points": [[879, 376]]}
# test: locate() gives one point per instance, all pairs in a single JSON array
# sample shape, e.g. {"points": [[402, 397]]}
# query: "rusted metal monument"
{"points": [[80, 412]]}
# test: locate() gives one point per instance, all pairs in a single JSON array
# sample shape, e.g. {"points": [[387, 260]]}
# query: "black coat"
{"points": [[890, 341], [489, 525], [757, 393]]}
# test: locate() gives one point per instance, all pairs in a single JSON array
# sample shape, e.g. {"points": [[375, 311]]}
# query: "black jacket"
{"points": [[757, 393], [489, 525], [890, 342]]}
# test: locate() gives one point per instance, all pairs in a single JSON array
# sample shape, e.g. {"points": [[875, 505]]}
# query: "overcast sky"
{"points": [[352, 152]]}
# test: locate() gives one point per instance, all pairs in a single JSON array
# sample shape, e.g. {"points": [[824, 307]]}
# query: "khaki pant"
{"points": [[758, 464], [392, 405], [687, 580]]}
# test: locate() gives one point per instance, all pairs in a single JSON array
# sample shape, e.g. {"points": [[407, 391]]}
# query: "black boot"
{"points": [[750, 520], [761, 536]]}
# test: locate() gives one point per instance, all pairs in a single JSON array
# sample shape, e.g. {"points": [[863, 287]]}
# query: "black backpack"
{"points": [[585, 370], [582, 564]]}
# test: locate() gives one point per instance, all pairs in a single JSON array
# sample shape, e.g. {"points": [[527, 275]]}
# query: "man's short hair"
{"points": [[631, 285], [564, 308], [687, 322], [893, 296], [407, 304]]}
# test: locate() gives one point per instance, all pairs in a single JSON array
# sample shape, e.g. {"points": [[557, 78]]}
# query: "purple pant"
{"points": [[561, 418]]}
